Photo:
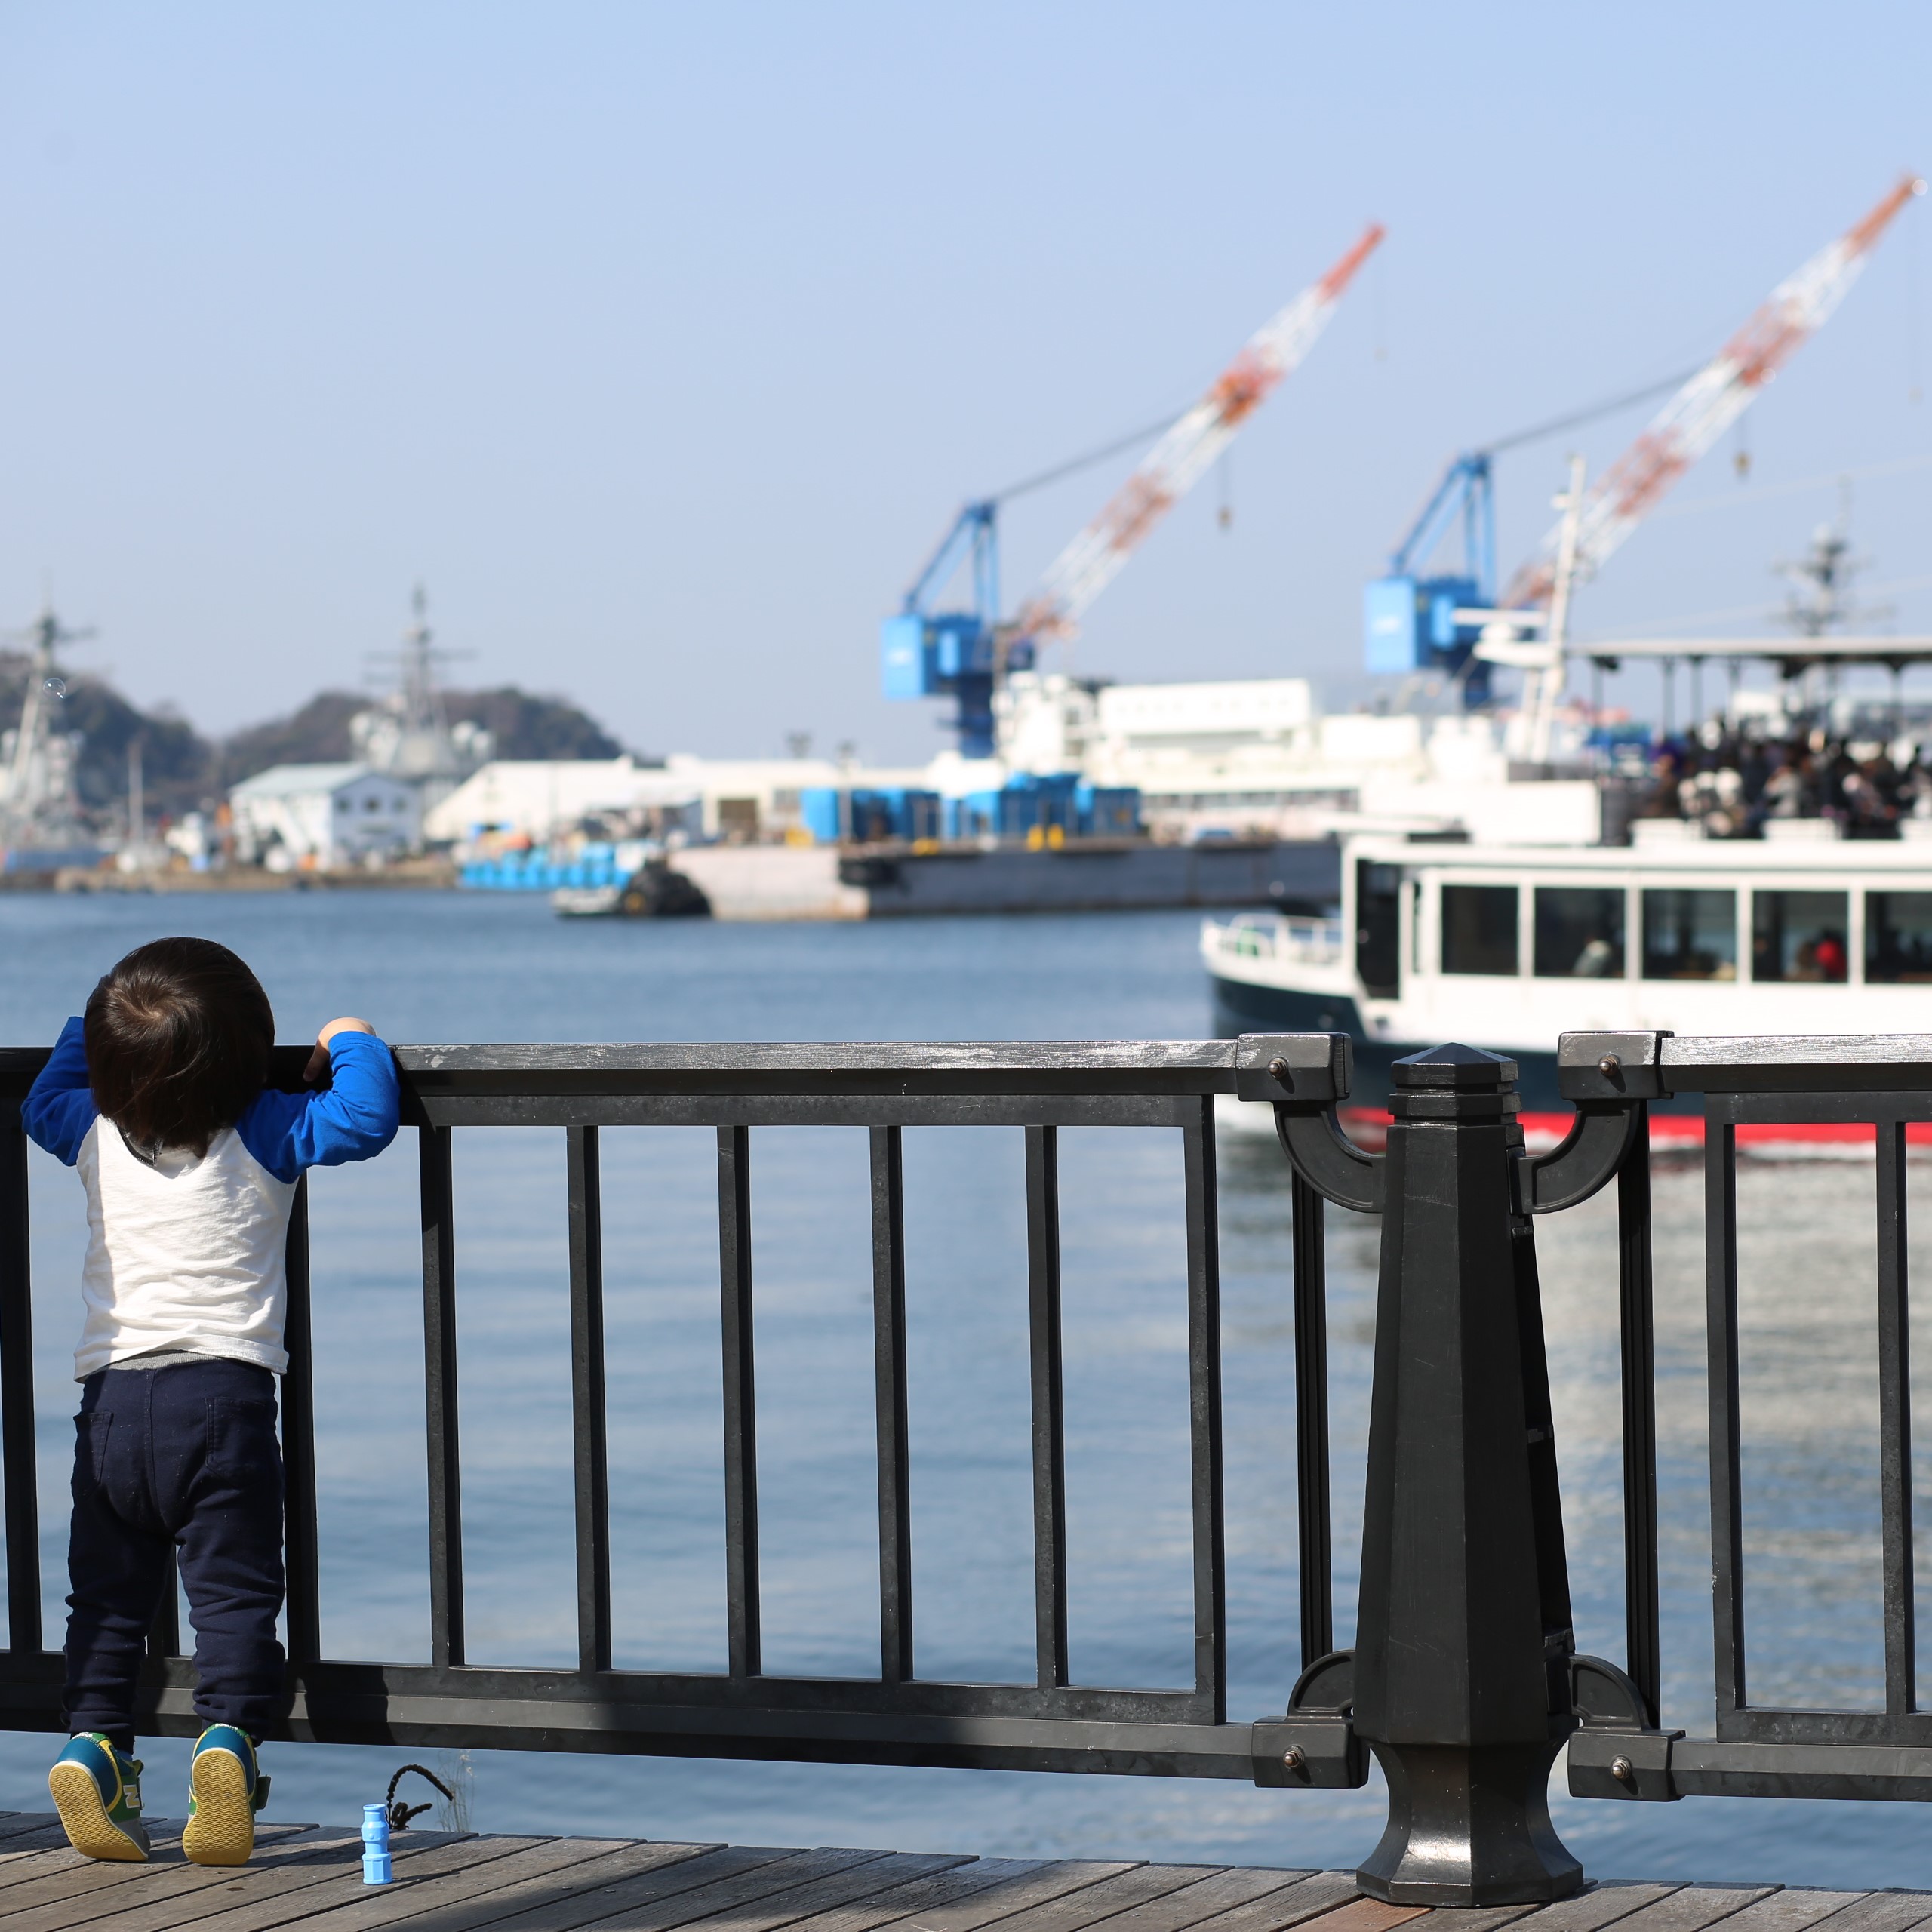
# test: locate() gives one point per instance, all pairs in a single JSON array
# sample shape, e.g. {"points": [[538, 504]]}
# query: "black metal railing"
{"points": [[1053, 1724], [1882, 1082], [1463, 1681]]}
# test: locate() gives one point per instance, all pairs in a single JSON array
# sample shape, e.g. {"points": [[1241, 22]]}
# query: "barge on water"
{"points": [[768, 882], [1507, 947]]}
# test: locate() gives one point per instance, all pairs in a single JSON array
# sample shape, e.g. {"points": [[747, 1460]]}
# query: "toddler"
{"points": [[189, 1161]]}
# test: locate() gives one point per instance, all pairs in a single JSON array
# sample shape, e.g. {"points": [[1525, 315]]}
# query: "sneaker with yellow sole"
{"points": [[97, 1789], [225, 1788]]}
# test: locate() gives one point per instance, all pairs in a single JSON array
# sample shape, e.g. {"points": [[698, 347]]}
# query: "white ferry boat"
{"points": [[1507, 947]]}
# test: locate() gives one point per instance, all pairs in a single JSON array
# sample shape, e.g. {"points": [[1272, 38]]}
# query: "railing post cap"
{"points": [[1454, 1065], [1306, 1067]]}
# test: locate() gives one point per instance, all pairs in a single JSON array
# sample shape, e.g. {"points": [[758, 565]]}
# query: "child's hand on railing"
{"points": [[318, 1060]]}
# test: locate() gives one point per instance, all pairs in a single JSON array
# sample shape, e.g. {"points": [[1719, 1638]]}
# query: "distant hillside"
{"points": [[316, 735], [525, 727], [181, 770]]}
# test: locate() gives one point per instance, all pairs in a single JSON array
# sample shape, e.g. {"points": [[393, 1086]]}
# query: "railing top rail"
{"points": [[979, 1067], [1647, 1064]]}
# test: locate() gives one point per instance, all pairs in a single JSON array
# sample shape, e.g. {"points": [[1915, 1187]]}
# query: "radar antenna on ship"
{"points": [[407, 734]]}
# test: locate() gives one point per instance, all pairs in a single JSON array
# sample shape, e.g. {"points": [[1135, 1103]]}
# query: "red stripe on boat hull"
{"points": [[1368, 1127]]}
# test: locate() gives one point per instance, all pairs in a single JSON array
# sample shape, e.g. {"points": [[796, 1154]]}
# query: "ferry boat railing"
{"points": [[1306, 942]]}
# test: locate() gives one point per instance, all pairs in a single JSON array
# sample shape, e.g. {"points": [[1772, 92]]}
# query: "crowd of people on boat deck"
{"points": [[1732, 782]]}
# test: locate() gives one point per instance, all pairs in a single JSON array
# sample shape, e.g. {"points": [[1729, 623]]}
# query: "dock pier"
{"points": [[1464, 1682], [308, 1879]]}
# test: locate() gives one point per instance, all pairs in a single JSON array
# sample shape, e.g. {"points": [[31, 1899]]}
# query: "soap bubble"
{"points": [[57, 686]]}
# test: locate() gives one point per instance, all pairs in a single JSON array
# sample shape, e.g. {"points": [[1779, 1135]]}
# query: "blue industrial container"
{"points": [[818, 806], [543, 868], [1391, 627], [905, 667], [1410, 624], [1110, 811]]}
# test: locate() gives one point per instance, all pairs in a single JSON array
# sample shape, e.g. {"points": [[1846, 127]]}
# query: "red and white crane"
{"points": [[1183, 455], [1700, 412]]}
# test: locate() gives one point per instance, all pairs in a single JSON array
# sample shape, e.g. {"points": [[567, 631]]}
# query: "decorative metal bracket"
{"points": [[1315, 1747], [1608, 1077], [1617, 1753], [1306, 1075]]}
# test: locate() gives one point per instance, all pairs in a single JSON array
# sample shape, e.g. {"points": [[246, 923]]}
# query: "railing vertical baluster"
{"points": [[895, 1507], [17, 1420], [164, 1632], [588, 1455], [439, 1371], [1312, 1487], [734, 1250], [1203, 1384], [1895, 1423], [1049, 1406], [298, 1446], [1635, 1303], [1721, 1329]]}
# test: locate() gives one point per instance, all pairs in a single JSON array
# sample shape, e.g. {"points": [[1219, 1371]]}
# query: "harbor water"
{"points": [[462, 967]]}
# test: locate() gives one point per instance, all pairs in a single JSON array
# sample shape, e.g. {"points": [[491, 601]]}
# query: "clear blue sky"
{"points": [[662, 341]]}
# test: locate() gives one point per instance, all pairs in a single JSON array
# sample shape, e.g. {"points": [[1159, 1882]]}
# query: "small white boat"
{"points": [[588, 902], [1506, 948]]}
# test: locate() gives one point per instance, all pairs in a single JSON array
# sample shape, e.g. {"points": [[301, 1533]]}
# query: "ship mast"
{"points": [[28, 794]]}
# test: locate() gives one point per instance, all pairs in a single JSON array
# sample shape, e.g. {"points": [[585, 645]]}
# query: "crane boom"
{"points": [[1700, 412], [1182, 456]]}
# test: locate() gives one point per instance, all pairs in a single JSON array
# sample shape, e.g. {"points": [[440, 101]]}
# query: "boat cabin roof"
{"points": [[1909, 860]]}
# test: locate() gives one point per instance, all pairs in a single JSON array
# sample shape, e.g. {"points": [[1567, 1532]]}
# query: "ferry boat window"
{"points": [[1898, 938], [1799, 935], [1379, 928], [1690, 935], [1580, 932], [1479, 929]]}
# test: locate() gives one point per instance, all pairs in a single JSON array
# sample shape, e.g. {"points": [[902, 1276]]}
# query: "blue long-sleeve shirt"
{"points": [[185, 1251], [354, 1118]]}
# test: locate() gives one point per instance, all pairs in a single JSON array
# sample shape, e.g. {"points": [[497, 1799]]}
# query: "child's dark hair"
{"points": [[178, 1036]]}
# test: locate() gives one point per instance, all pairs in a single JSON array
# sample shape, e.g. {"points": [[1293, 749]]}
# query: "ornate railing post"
{"points": [[1463, 1637]]}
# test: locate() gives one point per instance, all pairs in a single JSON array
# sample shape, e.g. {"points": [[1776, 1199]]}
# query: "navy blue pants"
{"points": [[184, 1457]]}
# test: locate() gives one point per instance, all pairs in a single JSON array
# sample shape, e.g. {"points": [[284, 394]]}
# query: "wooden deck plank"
{"points": [[47, 1838], [1876, 1911], [921, 1896], [23, 1824], [1219, 1892], [503, 1891], [46, 1878], [17, 1822], [1599, 1906], [1487, 1918], [307, 1878], [187, 1894], [1793, 1910], [26, 1907], [1295, 1904], [1361, 1915], [470, 1894], [738, 1878], [1106, 1898], [1691, 1907], [1017, 1892], [333, 1875], [801, 1903]]}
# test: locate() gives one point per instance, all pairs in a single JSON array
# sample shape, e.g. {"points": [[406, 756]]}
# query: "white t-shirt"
{"points": [[187, 1252]]}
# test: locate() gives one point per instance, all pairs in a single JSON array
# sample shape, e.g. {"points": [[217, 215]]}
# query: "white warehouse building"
{"points": [[295, 817]]}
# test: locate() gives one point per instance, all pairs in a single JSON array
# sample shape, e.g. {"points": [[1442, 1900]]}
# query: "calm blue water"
{"points": [[428, 967]]}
